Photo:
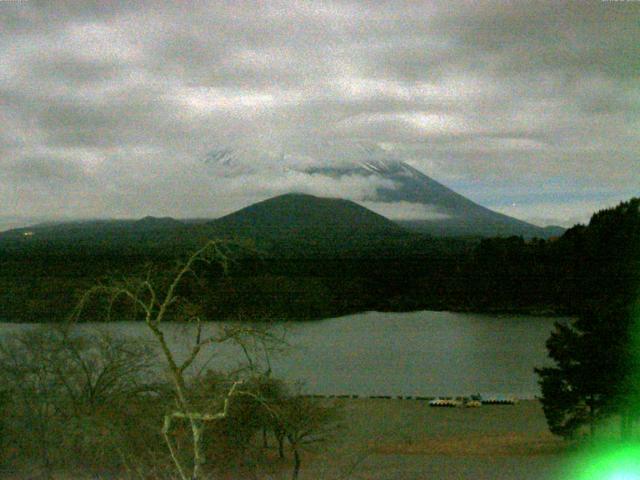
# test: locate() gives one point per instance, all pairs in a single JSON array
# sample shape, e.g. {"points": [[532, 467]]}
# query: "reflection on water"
{"points": [[419, 353]]}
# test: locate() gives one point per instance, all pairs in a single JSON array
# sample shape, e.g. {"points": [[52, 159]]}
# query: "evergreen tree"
{"points": [[591, 378]]}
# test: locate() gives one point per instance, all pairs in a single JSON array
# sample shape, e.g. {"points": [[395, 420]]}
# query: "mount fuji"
{"points": [[396, 187]]}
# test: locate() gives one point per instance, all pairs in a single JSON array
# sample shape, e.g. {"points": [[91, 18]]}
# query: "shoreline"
{"points": [[487, 400], [534, 312]]}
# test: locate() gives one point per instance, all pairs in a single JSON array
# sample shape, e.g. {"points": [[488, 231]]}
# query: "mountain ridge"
{"points": [[299, 220]]}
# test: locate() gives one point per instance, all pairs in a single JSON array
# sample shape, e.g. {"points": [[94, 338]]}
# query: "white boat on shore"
{"points": [[445, 402], [499, 400]]}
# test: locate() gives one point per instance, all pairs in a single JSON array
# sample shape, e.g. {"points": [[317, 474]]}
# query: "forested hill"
{"points": [[306, 216], [298, 224], [603, 257], [101, 237], [587, 264]]}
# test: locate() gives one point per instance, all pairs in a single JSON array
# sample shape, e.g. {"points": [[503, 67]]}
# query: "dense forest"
{"points": [[290, 279]]}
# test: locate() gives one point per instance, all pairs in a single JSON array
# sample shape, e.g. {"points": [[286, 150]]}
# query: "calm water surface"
{"points": [[418, 353]]}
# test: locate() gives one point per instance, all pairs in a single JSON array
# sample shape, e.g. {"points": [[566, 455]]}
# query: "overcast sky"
{"points": [[110, 109]]}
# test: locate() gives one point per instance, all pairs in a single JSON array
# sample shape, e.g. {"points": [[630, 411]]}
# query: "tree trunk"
{"points": [[280, 439], [197, 428], [296, 464]]}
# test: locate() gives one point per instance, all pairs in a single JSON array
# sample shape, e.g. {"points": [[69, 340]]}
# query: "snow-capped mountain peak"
{"points": [[396, 184]]}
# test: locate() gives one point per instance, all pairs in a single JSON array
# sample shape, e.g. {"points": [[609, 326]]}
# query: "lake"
{"points": [[410, 354]]}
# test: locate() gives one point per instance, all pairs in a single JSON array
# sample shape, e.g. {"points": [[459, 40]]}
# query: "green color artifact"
{"points": [[616, 462]]}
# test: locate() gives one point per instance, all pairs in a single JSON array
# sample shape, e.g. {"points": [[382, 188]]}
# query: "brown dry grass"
{"points": [[491, 445], [406, 439]]}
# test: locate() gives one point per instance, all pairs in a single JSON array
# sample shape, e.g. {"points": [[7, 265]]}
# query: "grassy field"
{"points": [[407, 439], [381, 439]]}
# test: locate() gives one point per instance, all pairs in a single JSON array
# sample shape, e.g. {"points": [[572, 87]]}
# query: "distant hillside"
{"points": [[304, 221], [98, 236], [12, 222], [291, 224]]}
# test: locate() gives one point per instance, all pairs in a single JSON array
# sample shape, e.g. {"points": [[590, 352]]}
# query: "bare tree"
{"points": [[158, 302], [26, 368], [60, 383], [306, 422]]}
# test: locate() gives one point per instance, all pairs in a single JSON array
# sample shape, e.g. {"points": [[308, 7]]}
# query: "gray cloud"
{"points": [[121, 101], [41, 168], [406, 210]]}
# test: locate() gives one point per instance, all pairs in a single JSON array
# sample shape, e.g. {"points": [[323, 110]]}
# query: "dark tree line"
{"points": [[597, 356], [557, 276]]}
